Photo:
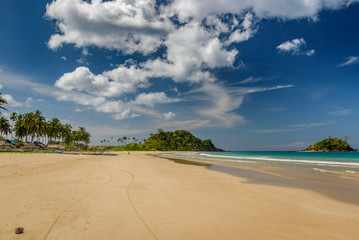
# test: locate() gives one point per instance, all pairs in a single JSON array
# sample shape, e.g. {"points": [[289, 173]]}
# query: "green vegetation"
{"points": [[30, 127], [33, 126], [179, 140], [2, 102], [330, 145]]}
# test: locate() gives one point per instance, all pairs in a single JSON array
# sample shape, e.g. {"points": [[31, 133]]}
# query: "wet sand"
{"points": [[137, 196]]}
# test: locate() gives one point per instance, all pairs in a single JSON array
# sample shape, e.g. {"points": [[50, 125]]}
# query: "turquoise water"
{"points": [[322, 158]]}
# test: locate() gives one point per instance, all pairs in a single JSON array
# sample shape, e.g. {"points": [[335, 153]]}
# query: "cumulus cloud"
{"points": [[292, 9], [128, 26], [11, 101], [246, 32], [295, 47], [108, 84], [196, 37]]}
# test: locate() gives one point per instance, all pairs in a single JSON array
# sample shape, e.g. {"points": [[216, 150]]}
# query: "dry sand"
{"points": [[136, 196]]}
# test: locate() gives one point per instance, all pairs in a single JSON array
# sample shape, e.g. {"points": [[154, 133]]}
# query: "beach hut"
{"points": [[5, 145]]}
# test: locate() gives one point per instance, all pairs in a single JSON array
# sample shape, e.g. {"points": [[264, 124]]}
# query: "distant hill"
{"points": [[330, 145], [179, 140]]}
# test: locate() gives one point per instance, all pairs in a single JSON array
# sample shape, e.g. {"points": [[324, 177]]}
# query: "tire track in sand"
{"points": [[133, 205], [73, 204]]}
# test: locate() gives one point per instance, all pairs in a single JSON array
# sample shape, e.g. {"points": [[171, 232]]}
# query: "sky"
{"points": [[247, 74]]}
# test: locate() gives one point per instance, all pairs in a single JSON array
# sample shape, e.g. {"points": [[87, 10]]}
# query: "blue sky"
{"points": [[250, 75]]}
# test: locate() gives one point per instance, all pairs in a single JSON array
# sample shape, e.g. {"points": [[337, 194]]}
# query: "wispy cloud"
{"points": [[294, 146], [246, 90], [309, 125], [338, 111], [278, 109], [293, 128], [350, 61], [251, 80], [187, 124]]}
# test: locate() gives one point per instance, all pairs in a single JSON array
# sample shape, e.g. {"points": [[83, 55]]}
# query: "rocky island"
{"points": [[330, 145]]}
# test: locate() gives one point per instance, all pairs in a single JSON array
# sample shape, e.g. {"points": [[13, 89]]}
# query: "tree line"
{"points": [[33, 126]]}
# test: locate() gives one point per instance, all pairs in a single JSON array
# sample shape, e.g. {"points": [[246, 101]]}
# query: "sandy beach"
{"points": [[137, 196]]}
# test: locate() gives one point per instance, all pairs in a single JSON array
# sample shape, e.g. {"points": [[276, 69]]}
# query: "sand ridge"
{"points": [[137, 196]]}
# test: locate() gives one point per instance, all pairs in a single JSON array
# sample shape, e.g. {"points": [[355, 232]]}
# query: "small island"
{"points": [[179, 140], [330, 145]]}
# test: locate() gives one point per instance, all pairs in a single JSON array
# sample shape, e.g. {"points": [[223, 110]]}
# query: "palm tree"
{"points": [[2, 102], [53, 129], [81, 135], [39, 122], [29, 124], [120, 140], [19, 127], [84, 135], [5, 127], [124, 139], [13, 118], [66, 131]]}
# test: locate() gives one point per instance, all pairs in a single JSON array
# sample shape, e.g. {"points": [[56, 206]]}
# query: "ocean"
{"points": [[331, 162], [323, 158]]}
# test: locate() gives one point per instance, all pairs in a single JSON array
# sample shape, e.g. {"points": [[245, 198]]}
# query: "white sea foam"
{"points": [[320, 170], [280, 160], [349, 171]]}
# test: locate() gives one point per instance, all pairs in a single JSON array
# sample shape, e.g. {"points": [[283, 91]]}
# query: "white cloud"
{"points": [[341, 111], [295, 47], [292, 9], [30, 101], [11, 101], [293, 128], [189, 49], [247, 31], [309, 52], [310, 125], [193, 47], [247, 90], [128, 26], [186, 124], [223, 105], [63, 58], [169, 115], [108, 84], [250, 80], [291, 46], [295, 145], [150, 99], [125, 115], [350, 61], [277, 109]]}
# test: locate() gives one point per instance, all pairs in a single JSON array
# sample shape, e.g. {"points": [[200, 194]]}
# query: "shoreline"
{"points": [[290, 176], [138, 196]]}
